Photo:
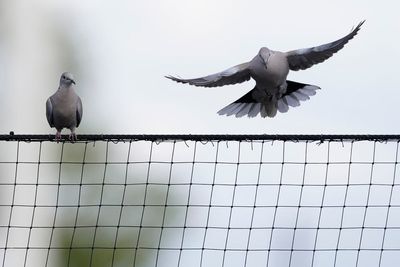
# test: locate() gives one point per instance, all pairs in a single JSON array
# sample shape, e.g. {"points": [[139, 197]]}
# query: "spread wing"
{"points": [[49, 112], [237, 74], [79, 112], [304, 58]]}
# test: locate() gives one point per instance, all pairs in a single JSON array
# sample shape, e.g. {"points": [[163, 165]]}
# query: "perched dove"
{"points": [[269, 69], [64, 107]]}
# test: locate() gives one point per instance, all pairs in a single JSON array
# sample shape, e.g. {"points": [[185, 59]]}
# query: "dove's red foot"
{"points": [[72, 137], [58, 136]]}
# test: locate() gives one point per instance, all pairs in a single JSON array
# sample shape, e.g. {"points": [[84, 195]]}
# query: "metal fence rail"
{"points": [[204, 137]]}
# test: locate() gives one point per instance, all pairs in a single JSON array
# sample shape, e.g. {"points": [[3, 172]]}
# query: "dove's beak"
{"points": [[73, 81]]}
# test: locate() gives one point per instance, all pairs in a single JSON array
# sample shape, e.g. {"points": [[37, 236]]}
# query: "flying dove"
{"points": [[64, 107], [269, 69]]}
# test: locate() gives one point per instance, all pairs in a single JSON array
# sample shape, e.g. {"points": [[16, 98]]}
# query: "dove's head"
{"points": [[67, 79], [265, 54]]}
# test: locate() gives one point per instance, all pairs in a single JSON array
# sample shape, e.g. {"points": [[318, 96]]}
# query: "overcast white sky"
{"points": [[120, 52]]}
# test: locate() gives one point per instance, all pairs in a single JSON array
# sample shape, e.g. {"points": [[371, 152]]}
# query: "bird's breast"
{"points": [[64, 109], [273, 72]]}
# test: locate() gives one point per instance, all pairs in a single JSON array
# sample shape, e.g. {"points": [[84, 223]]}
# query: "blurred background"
{"points": [[119, 53]]}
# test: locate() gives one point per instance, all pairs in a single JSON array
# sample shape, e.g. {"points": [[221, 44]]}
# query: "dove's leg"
{"points": [[72, 135], [282, 88], [58, 135]]}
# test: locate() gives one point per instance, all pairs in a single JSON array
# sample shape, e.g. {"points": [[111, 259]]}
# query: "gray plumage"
{"points": [[269, 69], [64, 107]]}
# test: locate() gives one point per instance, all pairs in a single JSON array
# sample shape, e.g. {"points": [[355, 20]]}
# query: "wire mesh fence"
{"points": [[216, 200]]}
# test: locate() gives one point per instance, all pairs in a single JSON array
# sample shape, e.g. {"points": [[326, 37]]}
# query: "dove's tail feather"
{"points": [[269, 109], [249, 109], [240, 109], [248, 105], [295, 93]]}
